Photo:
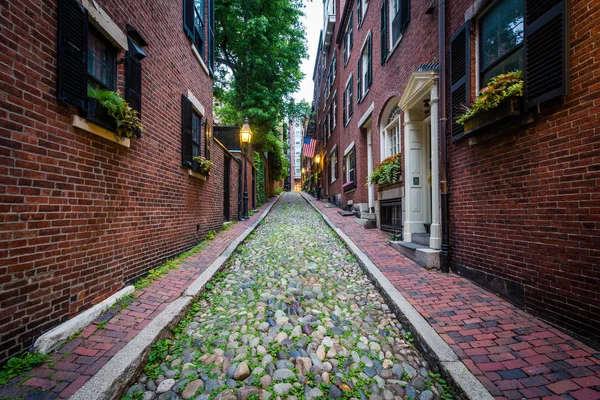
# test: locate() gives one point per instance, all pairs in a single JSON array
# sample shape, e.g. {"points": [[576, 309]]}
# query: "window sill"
{"points": [[394, 48], [97, 130], [333, 181], [347, 122], [200, 60], [349, 190], [196, 175]]}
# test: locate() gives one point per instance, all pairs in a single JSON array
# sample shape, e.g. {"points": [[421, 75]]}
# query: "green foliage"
{"points": [[259, 48], [387, 171], [260, 179], [499, 88], [127, 119], [278, 190], [204, 165], [17, 365], [136, 395], [211, 235]]}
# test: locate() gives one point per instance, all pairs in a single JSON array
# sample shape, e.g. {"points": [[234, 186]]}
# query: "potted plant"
{"points": [[499, 99], [204, 165], [348, 186], [104, 103], [388, 171]]}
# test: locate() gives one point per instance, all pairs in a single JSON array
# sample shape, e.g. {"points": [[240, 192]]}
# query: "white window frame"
{"points": [[334, 106], [348, 47], [333, 161], [364, 7], [387, 135], [348, 103], [365, 65], [391, 17]]}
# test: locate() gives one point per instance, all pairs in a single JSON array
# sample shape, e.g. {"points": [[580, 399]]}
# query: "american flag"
{"points": [[310, 145]]}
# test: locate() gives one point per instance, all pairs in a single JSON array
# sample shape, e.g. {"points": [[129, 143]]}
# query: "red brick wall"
{"points": [[525, 206], [417, 46], [81, 216]]}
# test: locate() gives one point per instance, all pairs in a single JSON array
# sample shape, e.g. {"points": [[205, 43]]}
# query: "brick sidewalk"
{"points": [[513, 354], [77, 361]]}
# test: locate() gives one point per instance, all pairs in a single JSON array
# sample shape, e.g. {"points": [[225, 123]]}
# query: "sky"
{"points": [[313, 21]]}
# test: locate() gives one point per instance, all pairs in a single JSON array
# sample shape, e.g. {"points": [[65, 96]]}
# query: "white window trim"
{"points": [[333, 101], [366, 115], [391, 33], [196, 104], [364, 90], [347, 30], [105, 24], [348, 149], [348, 100], [200, 60]]}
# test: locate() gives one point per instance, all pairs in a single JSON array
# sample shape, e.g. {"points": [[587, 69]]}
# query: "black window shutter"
{"points": [[405, 12], [369, 62], [383, 37], [188, 17], [133, 83], [359, 80], [186, 132], [546, 55], [72, 53], [459, 77]]}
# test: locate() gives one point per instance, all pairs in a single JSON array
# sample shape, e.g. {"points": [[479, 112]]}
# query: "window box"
{"points": [[507, 109], [349, 186], [98, 114]]}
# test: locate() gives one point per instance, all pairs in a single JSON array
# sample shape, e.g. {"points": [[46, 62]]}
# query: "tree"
{"points": [[259, 47]]}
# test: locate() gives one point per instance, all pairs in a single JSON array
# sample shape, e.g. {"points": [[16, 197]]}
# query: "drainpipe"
{"points": [[444, 255]]}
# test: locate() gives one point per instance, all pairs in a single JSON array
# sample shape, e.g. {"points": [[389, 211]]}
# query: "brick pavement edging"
{"points": [[117, 373], [434, 348]]}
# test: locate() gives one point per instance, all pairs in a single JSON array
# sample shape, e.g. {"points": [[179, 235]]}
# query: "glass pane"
{"points": [[512, 63], [501, 30], [100, 60], [199, 4]]}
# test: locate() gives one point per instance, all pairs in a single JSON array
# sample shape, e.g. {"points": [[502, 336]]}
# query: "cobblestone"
{"points": [[249, 333]]}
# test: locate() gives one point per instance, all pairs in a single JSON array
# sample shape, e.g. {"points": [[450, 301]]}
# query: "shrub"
{"points": [[127, 119], [387, 171]]}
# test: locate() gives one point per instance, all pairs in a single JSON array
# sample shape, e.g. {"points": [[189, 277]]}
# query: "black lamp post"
{"points": [[245, 137]]}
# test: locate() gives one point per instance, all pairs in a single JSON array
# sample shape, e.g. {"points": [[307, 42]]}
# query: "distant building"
{"points": [[295, 137]]}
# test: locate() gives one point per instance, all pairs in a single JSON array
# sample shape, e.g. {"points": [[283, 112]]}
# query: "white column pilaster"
{"points": [[371, 187], [435, 240], [407, 233]]}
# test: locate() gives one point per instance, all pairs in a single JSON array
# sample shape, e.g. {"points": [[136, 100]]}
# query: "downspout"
{"points": [[444, 255]]}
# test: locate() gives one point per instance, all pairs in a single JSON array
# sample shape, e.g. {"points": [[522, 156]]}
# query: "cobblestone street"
{"points": [[291, 316]]}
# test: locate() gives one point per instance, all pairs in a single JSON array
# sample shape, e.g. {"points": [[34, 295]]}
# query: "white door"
{"points": [[416, 175]]}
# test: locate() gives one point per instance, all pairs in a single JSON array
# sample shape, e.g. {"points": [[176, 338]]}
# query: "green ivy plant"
{"points": [[500, 87], [387, 171], [127, 119]]}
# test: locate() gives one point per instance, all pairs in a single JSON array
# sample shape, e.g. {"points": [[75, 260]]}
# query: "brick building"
{"points": [[511, 203], [83, 212]]}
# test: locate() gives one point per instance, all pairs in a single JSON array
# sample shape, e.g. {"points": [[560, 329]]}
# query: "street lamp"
{"points": [[245, 138], [318, 180]]}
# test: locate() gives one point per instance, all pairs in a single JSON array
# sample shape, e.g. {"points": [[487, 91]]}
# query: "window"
{"points": [[349, 173], [334, 111], [399, 18], [390, 135], [198, 21], [363, 81], [361, 10], [501, 39], [86, 57], [191, 134], [331, 75], [333, 162], [348, 40], [101, 61], [347, 112]]}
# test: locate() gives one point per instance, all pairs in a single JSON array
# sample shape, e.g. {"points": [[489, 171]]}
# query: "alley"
{"points": [[291, 316]]}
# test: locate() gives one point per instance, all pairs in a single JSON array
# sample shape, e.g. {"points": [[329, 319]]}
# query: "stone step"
{"points": [[367, 215], [421, 238], [366, 223], [422, 255]]}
